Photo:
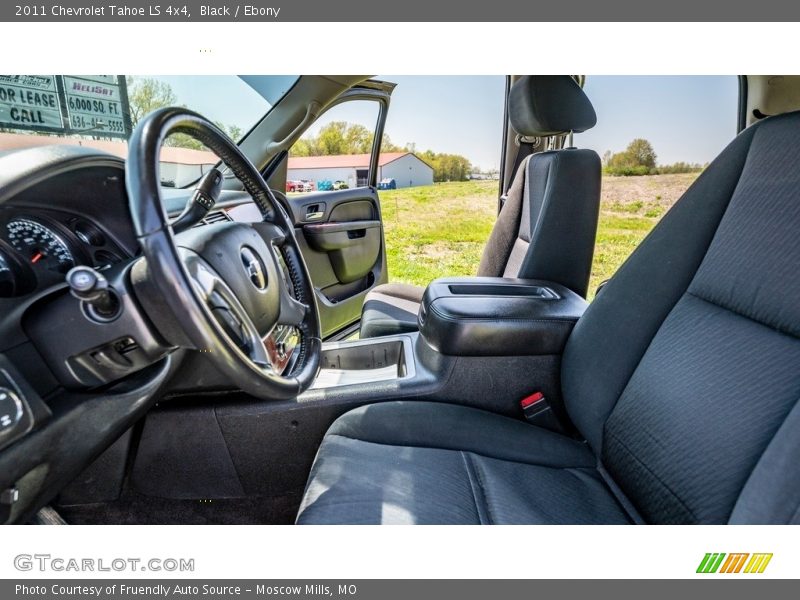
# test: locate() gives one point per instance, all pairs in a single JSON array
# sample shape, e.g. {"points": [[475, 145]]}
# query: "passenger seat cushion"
{"points": [[452, 427], [390, 309], [423, 462]]}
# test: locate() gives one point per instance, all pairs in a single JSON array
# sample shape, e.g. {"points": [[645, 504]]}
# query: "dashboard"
{"points": [[65, 217], [75, 217], [59, 207], [38, 247]]}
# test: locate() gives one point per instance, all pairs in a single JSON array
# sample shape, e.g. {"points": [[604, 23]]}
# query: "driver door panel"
{"points": [[339, 230], [341, 237]]}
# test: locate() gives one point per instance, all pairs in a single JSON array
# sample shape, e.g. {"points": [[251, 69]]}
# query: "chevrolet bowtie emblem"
{"points": [[254, 268]]}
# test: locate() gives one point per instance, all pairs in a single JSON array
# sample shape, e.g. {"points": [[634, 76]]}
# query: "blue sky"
{"points": [[219, 97], [458, 115], [686, 118]]}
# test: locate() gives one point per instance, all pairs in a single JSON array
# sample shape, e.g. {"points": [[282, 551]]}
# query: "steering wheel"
{"points": [[223, 284]]}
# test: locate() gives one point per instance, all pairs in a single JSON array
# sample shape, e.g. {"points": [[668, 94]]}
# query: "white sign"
{"points": [[86, 104], [29, 102], [94, 104]]}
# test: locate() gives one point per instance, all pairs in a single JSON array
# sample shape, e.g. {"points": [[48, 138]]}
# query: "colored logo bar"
{"points": [[737, 562]]}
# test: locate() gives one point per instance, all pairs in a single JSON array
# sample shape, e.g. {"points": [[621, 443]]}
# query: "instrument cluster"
{"points": [[38, 248]]}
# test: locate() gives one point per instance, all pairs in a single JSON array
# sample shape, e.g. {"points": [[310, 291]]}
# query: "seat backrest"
{"points": [[684, 372], [547, 226]]}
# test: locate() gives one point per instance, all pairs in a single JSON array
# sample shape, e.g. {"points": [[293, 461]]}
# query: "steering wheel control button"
{"points": [[10, 409], [92, 289], [254, 268], [202, 201], [208, 190], [232, 326]]}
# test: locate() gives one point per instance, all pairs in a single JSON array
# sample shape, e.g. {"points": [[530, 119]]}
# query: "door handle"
{"points": [[314, 212]]}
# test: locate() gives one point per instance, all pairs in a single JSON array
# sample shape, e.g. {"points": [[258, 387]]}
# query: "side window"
{"points": [[655, 136], [336, 151]]}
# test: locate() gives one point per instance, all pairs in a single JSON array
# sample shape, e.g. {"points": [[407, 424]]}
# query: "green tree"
{"points": [[331, 138], [641, 153], [146, 95], [303, 147], [340, 137], [639, 158], [358, 139], [447, 167], [451, 167]]}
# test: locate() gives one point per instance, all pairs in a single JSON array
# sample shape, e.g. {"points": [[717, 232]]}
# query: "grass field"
{"points": [[440, 230]]}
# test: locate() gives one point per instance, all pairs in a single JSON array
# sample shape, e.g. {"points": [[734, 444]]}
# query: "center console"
{"points": [[481, 324], [484, 316], [483, 342]]}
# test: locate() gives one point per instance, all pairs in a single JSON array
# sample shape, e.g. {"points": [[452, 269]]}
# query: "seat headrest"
{"points": [[542, 105]]}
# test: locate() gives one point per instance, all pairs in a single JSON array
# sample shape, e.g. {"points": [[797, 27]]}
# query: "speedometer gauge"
{"points": [[39, 245]]}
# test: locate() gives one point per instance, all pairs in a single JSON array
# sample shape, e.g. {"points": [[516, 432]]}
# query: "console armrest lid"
{"points": [[492, 316]]}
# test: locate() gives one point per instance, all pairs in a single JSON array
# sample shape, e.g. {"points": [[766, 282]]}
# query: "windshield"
{"points": [[100, 111]]}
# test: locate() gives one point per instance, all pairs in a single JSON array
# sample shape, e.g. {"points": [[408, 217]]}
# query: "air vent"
{"points": [[215, 216]]}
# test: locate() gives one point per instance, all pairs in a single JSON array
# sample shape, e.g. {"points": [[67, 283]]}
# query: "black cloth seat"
{"points": [[444, 466], [683, 376], [547, 226]]}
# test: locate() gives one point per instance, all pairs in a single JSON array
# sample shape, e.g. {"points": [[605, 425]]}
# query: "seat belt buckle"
{"points": [[537, 411]]}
